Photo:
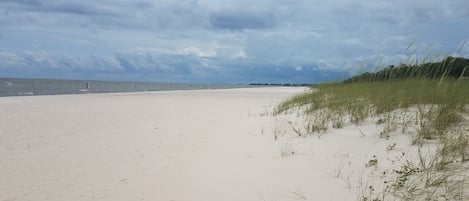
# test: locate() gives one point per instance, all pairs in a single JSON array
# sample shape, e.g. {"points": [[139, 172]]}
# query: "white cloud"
{"points": [[352, 41], [239, 55], [298, 68], [198, 52]]}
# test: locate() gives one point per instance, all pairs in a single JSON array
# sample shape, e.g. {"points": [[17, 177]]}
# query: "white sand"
{"points": [[207, 145], [182, 145]]}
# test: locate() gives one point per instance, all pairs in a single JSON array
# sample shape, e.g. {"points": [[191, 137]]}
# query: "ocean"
{"points": [[33, 87]]}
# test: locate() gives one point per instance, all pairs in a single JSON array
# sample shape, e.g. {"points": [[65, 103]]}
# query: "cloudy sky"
{"points": [[222, 41]]}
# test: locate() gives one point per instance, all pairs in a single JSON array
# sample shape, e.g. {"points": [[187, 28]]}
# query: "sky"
{"points": [[224, 41]]}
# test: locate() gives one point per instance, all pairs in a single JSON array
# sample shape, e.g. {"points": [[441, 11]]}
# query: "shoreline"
{"points": [[152, 92]]}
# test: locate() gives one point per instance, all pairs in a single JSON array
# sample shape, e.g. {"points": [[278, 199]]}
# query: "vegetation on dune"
{"points": [[445, 95], [450, 67], [443, 100], [429, 101]]}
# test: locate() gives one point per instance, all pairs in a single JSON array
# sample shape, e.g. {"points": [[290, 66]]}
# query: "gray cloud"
{"points": [[23, 2], [162, 67], [77, 9], [208, 39], [58, 6], [241, 20]]}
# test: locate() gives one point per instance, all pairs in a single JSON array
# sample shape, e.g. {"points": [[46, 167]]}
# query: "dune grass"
{"points": [[427, 109], [440, 101]]}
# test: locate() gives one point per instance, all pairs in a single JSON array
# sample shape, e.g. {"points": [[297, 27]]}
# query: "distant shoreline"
{"points": [[280, 84]]}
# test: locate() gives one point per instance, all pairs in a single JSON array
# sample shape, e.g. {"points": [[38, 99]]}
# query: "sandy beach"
{"points": [[201, 145], [177, 145]]}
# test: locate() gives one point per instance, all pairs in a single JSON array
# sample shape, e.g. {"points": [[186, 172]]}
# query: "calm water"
{"points": [[30, 87]]}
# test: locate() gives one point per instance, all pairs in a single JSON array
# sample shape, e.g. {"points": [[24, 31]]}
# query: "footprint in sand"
{"points": [[124, 181]]}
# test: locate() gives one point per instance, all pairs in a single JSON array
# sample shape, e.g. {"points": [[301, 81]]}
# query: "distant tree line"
{"points": [[454, 67], [280, 84]]}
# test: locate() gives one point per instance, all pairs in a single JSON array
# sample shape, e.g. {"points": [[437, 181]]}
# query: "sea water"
{"points": [[30, 87]]}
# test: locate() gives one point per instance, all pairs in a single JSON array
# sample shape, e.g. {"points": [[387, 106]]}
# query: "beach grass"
{"points": [[439, 104], [430, 109]]}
